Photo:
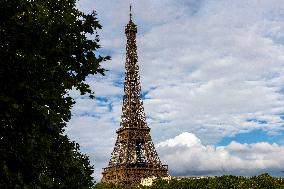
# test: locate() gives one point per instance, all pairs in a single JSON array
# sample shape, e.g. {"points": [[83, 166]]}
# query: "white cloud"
{"points": [[184, 139], [216, 70], [186, 155], [96, 138]]}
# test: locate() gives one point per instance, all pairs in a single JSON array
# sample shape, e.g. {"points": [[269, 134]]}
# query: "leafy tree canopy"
{"points": [[44, 52]]}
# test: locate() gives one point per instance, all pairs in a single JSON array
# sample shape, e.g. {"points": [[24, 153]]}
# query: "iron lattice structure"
{"points": [[134, 155]]}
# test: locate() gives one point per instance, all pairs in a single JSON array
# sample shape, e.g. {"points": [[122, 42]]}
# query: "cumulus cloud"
{"points": [[186, 155]]}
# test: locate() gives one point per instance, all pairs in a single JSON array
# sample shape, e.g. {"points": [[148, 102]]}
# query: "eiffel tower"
{"points": [[134, 156]]}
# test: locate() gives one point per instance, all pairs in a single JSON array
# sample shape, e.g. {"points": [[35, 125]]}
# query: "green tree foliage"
{"points": [[223, 182], [263, 181], [44, 52]]}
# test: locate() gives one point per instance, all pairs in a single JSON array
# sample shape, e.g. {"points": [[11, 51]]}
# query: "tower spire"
{"points": [[130, 13]]}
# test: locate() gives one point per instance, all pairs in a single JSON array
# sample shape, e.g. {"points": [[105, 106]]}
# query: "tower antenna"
{"points": [[130, 13]]}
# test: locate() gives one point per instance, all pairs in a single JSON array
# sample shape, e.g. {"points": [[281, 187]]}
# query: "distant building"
{"points": [[149, 181]]}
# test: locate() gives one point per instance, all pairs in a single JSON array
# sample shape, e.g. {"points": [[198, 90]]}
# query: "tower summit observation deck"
{"points": [[134, 156]]}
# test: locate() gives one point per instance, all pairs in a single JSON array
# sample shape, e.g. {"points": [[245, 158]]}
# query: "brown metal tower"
{"points": [[134, 155]]}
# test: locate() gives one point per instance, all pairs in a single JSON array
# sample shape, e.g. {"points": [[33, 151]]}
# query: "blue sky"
{"points": [[212, 77]]}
